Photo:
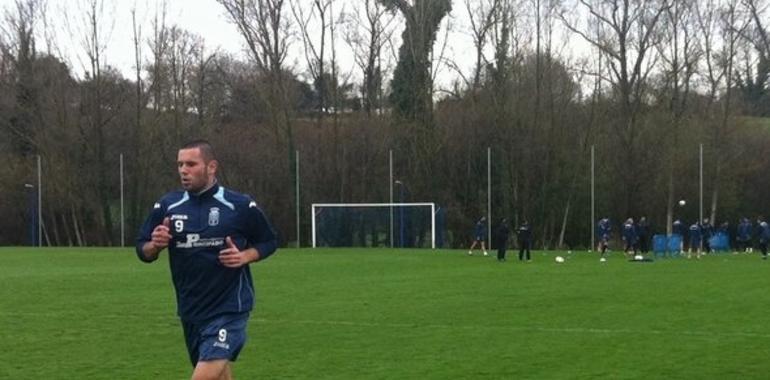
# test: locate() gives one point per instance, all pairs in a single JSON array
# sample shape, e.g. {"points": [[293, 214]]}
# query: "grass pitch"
{"points": [[397, 314]]}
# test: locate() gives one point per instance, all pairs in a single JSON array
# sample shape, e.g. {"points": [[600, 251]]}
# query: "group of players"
{"points": [[500, 238], [636, 236]]}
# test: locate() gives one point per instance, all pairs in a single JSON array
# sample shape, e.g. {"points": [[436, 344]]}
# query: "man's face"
{"points": [[194, 172]]}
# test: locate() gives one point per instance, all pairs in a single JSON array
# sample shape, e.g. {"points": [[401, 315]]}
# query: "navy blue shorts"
{"points": [[220, 338]]}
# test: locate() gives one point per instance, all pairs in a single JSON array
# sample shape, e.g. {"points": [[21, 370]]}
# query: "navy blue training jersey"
{"points": [[480, 231], [199, 225]]}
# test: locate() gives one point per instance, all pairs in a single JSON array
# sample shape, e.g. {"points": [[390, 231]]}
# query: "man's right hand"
{"points": [[161, 235]]}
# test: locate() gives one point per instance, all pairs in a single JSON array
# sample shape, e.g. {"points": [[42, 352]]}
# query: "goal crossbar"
{"points": [[432, 206]]}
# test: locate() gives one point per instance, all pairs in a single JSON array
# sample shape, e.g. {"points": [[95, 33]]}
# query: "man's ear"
{"points": [[213, 166]]}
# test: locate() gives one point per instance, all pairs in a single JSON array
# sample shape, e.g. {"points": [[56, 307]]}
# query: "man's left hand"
{"points": [[232, 257]]}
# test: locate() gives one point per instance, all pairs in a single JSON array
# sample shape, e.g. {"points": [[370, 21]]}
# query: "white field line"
{"points": [[574, 330], [570, 330]]}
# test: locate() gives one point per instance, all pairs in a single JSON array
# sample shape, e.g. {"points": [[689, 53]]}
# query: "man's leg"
{"points": [[212, 370]]}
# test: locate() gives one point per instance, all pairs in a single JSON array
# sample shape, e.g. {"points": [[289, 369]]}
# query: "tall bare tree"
{"points": [[266, 32], [679, 55], [92, 26], [263, 27], [368, 29], [627, 33], [412, 86], [18, 46]]}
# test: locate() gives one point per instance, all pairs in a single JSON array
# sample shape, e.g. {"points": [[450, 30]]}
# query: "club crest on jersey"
{"points": [[214, 216]]}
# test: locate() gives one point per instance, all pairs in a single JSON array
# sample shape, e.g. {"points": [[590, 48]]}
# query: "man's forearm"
{"points": [[252, 254], [150, 251]]}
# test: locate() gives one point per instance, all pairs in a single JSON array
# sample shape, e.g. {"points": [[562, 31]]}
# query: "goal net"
{"points": [[398, 225]]}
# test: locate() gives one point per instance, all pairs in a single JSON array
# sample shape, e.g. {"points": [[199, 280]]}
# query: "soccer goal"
{"points": [[397, 225]]}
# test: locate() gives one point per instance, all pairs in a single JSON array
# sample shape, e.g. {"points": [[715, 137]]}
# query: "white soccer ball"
{"points": [[602, 260], [559, 259], [638, 257], [682, 202]]}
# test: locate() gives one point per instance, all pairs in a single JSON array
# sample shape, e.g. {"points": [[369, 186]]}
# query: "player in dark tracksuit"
{"points": [[525, 241], [707, 232], [501, 238], [643, 234], [603, 231], [743, 235], [763, 236], [629, 236], [479, 235], [212, 235], [695, 240], [678, 228]]}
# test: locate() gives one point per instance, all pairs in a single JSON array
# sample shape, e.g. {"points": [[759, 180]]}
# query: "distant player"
{"points": [[678, 228], [603, 231], [743, 236], [695, 240], [479, 236], [763, 236], [643, 234], [629, 236], [525, 241], [501, 239]]}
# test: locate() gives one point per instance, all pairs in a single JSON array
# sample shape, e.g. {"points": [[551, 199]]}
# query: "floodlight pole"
{"points": [[122, 224], [401, 225], [39, 202], [489, 196], [390, 182], [593, 202], [296, 192], [701, 185]]}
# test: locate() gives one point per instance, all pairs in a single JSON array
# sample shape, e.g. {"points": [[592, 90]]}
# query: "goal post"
{"points": [[371, 224]]}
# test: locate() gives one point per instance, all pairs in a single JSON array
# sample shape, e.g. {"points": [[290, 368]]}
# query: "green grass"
{"points": [[397, 314]]}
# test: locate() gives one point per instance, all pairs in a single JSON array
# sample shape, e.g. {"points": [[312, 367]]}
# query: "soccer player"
{"points": [[678, 228], [212, 235], [525, 241], [603, 230], [643, 234], [479, 235], [743, 237], [501, 239], [629, 236], [764, 236], [695, 240]]}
